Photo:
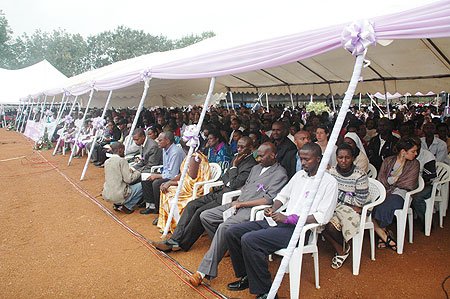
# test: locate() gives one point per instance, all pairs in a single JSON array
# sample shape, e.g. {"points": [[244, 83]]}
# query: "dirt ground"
{"points": [[56, 242]]}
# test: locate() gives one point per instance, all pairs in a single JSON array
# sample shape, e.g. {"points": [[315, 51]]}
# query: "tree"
{"points": [[72, 54], [192, 39], [5, 37]]}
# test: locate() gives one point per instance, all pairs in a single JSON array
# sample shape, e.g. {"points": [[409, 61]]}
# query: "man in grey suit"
{"points": [[150, 152], [264, 182]]}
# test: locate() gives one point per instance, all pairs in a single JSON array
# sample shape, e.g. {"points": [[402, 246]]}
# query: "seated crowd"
{"points": [[273, 159]]}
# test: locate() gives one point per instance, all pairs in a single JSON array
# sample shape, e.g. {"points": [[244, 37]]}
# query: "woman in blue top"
{"points": [[218, 152]]}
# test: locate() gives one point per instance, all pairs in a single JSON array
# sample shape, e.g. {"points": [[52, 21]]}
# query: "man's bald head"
{"points": [[266, 154], [301, 138]]}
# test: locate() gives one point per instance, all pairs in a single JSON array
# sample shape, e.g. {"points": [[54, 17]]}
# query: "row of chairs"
{"points": [[377, 194]]}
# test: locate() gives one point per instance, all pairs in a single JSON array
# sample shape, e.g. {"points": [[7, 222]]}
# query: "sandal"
{"points": [[338, 260], [390, 239], [381, 244]]}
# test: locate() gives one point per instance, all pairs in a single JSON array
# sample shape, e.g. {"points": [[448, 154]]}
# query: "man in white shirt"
{"points": [[250, 242], [435, 145]]}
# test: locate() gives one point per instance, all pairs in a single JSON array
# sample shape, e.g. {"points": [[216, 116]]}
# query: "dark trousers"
{"points": [[189, 227], [151, 191], [249, 243]]}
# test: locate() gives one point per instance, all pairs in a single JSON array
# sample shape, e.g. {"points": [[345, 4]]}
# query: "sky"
{"points": [[177, 18]]}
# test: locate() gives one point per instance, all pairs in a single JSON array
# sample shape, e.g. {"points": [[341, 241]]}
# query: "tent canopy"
{"points": [[16, 84], [415, 58]]}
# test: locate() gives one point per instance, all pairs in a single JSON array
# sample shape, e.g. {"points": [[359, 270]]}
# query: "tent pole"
{"points": [[226, 103], [61, 105], [448, 98], [138, 112], [290, 95], [43, 108], [332, 97], [311, 99], [65, 125], [58, 116], [24, 125], [320, 172], [95, 138], [51, 105], [267, 102], [387, 101], [81, 126], [19, 111], [188, 158], [232, 103], [37, 106], [359, 105], [21, 116]]}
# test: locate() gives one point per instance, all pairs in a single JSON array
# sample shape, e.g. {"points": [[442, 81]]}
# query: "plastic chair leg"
{"points": [[441, 214], [428, 216], [372, 243], [316, 268], [356, 252], [401, 227], [410, 227]]}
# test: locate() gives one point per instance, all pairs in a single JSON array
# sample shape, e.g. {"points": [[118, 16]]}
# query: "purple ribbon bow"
{"points": [[357, 36], [261, 187]]}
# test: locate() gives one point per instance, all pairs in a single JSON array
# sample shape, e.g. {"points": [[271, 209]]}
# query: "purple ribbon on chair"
{"points": [[261, 187]]}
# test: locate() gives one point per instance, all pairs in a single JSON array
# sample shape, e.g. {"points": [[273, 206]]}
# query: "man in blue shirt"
{"points": [[173, 156]]}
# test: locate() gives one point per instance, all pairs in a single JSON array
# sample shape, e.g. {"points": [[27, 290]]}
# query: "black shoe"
{"points": [[239, 285], [142, 204], [149, 211], [116, 207], [167, 245], [98, 164], [264, 296], [125, 210], [94, 161], [155, 222]]}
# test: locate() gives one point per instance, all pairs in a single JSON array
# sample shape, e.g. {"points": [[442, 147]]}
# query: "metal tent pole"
{"points": [[318, 177], [81, 126], [43, 108], [174, 201], [95, 139], [58, 117], [65, 125], [138, 112]]}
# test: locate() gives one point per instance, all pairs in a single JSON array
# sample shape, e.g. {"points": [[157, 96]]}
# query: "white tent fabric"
{"points": [[415, 58], [22, 83]]}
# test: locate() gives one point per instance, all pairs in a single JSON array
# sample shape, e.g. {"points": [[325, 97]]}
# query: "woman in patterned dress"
{"points": [[198, 171], [353, 185]]}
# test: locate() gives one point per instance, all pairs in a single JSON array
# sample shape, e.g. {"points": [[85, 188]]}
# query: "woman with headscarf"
{"points": [[361, 159]]}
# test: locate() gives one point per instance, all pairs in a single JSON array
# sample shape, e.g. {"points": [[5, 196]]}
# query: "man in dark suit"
{"points": [[264, 182], [151, 153], [189, 228], [279, 138], [291, 161], [381, 145]]}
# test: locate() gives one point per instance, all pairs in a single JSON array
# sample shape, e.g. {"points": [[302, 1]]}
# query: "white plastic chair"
{"points": [[155, 168], [372, 172], [228, 197], [402, 214], [439, 195], [377, 194], [295, 263], [215, 172]]}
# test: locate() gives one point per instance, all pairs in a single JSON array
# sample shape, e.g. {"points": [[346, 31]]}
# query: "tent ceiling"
{"points": [[400, 64]]}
